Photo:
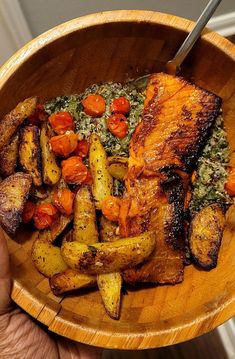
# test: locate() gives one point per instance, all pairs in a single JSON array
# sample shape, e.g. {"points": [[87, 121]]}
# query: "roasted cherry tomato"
{"points": [[120, 105], [63, 145], [63, 201], [88, 179], [111, 208], [117, 125], [230, 184], [73, 170], [28, 212], [61, 122], [44, 215], [82, 149], [39, 115], [94, 105]]}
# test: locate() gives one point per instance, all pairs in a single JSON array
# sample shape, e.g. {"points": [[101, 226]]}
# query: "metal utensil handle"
{"points": [[195, 33]]}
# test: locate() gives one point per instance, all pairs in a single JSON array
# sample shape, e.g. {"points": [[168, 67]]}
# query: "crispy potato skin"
{"points": [[14, 119], [205, 235], [69, 280], [117, 166], [108, 257], [14, 191], [9, 155], [50, 170], [102, 180], [110, 285], [108, 230], [30, 153], [57, 227], [85, 229], [47, 258]]}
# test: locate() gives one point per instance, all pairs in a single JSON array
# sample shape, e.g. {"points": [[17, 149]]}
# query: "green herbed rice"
{"points": [[85, 125], [211, 171]]}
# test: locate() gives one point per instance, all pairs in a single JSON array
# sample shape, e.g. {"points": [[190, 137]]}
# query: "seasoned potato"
{"points": [[30, 153], [102, 180], [108, 230], [9, 155], [50, 170], [110, 285], [39, 193], [57, 227], [100, 258], [14, 119], [85, 229], [14, 191], [205, 235], [69, 280], [117, 166], [47, 258]]}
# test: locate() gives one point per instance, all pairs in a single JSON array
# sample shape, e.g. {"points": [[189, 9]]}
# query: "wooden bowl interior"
{"points": [[150, 316]]}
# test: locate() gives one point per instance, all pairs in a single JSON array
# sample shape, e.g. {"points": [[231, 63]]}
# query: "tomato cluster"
{"points": [[71, 149], [94, 105]]}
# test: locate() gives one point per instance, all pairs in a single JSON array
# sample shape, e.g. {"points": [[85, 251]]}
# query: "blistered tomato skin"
{"points": [[61, 122], [74, 171], [117, 125], [64, 145], [63, 201], [44, 215], [28, 212], [94, 105], [111, 208], [120, 105], [82, 149]]}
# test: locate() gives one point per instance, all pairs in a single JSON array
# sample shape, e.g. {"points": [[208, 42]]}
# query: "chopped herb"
{"points": [[92, 249], [118, 187]]}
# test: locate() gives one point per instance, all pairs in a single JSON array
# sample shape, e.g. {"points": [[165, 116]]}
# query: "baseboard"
{"points": [[223, 24], [227, 336]]}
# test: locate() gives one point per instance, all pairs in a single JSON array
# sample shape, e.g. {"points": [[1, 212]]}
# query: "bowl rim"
{"points": [[57, 321]]}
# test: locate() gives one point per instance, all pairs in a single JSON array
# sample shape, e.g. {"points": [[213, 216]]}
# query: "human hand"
{"points": [[20, 336]]}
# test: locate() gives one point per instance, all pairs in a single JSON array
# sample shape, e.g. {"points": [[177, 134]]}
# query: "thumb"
{"points": [[5, 278]]}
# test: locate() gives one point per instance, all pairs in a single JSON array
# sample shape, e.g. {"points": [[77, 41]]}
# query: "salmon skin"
{"points": [[176, 123]]}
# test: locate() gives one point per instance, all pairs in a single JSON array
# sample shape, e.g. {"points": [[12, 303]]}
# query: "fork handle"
{"points": [[173, 65]]}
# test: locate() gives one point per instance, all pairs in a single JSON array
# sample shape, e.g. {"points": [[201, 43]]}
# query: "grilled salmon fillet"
{"points": [[164, 148]]}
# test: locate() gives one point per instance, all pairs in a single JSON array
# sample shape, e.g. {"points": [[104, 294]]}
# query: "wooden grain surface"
{"points": [[116, 46]]}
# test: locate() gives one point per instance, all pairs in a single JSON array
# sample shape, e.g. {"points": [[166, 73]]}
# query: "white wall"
{"points": [[44, 14]]}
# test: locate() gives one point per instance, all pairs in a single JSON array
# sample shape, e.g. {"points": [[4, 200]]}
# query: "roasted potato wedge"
{"points": [[100, 258], [108, 230], [9, 155], [14, 119], [47, 258], [57, 227], [30, 153], [110, 285], [14, 191], [205, 236], [102, 180], [85, 229], [117, 166], [69, 280], [50, 170]]}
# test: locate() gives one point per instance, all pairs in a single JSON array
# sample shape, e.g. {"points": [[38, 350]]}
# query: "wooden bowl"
{"points": [[113, 46]]}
